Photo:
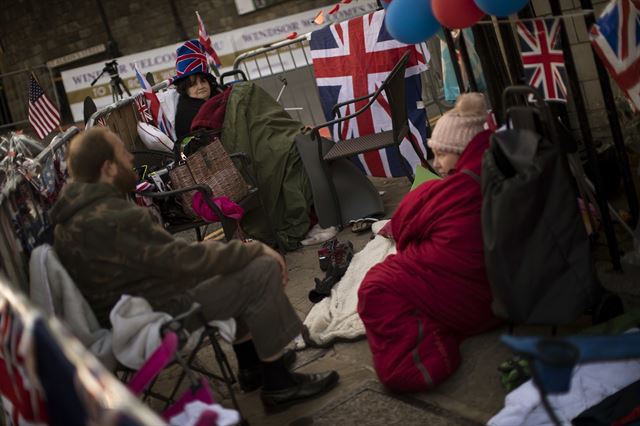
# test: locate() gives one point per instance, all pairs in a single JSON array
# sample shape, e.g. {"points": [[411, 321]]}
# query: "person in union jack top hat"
{"points": [[193, 82]]}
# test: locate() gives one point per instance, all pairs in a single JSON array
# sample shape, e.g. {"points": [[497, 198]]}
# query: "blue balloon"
{"points": [[501, 7], [411, 21], [385, 4]]}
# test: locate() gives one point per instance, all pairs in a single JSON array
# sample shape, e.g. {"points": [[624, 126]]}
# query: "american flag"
{"points": [[157, 112], [616, 38], [43, 114], [542, 57], [143, 110], [351, 59], [204, 39]]}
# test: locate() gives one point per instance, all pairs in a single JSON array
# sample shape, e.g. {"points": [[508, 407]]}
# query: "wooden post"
{"points": [[454, 58], [614, 123], [587, 139]]}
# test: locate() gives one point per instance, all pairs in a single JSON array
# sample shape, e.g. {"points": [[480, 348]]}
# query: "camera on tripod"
{"points": [[117, 85], [111, 68]]}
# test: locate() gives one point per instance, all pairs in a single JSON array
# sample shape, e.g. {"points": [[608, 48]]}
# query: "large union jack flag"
{"points": [[542, 57], [616, 38], [351, 59]]}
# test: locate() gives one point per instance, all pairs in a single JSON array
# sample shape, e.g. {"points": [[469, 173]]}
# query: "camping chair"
{"points": [[53, 291], [159, 161], [167, 355], [394, 89], [553, 360]]}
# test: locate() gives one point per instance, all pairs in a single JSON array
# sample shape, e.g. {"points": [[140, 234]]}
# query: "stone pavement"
{"points": [[470, 397]]}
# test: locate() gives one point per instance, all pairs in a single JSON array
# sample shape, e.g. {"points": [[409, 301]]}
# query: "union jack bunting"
{"points": [[351, 59], [157, 112], [616, 39], [205, 41], [143, 110], [542, 57]]}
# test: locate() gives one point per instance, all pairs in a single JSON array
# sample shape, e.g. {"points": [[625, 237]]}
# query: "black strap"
{"points": [[471, 174]]}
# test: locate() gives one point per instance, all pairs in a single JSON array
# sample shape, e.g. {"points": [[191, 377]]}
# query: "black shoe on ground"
{"points": [[308, 386], [250, 379]]}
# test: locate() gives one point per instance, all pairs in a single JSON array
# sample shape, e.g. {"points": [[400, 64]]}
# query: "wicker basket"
{"points": [[211, 166]]}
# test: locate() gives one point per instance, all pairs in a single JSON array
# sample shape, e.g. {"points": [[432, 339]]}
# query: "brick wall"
{"points": [[33, 32]]}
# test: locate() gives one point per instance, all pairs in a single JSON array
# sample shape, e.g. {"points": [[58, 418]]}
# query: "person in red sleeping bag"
{"points": [[419, 304]]}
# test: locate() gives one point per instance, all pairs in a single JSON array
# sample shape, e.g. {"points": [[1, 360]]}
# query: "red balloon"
{"points": [[456, 13]]}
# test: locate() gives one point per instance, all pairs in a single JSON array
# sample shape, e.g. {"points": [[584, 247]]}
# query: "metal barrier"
{"points": [[14, 95], [23, 215], [285, 70]]}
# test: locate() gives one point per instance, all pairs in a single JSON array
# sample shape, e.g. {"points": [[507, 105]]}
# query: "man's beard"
{"points": [[126, 179]]}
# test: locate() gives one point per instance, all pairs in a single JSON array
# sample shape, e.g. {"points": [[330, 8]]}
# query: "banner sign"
{"points": [[248, 6], [161, 61]]}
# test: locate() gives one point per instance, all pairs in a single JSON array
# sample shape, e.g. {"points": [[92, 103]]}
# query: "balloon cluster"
{"points": [[414, 21]]}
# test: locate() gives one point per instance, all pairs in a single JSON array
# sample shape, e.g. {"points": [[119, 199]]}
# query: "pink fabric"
{"points": [[419, 304], [226, 206], [154, 365], [201, 393]]}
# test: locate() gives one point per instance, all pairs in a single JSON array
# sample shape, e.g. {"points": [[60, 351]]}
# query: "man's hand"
{"points": [[278, 257]]}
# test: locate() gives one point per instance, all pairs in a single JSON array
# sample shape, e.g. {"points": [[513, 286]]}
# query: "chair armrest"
{"points": [[232, 72], [203, 189], [336, 107], [207, 195], [373, 97]]}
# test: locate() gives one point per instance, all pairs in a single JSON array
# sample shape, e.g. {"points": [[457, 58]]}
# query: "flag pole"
{"points": [[614, 123]]}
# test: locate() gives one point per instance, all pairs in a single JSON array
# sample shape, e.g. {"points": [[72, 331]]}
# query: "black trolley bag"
{"points": [[537, 252]]}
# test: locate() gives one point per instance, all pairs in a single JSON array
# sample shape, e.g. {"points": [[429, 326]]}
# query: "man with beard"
{"points": [[112, 247]]}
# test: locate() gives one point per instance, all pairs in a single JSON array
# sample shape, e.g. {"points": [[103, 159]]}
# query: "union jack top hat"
{"points": [[191, 59]]}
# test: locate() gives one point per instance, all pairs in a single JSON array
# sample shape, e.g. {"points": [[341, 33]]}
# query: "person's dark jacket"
{"points": [[112, 247]]}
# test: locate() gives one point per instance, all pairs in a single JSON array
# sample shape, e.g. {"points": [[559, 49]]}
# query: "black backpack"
{"points": [[537, 251]]}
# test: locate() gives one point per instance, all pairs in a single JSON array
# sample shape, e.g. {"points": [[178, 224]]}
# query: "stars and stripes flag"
{"points": [[351, 59], [157, 112], [140, 103], [205, 40], [43, 114], [616, 39], [542, 57]]}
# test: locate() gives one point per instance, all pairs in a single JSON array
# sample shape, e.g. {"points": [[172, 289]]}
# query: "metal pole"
{"points": [[614, 123], [493, 67], [587, 138], [454, 58], [512, 54], [466, 60], [55, 90]]}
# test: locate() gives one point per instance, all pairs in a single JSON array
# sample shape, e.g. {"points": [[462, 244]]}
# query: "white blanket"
{"points": [[337, 316], [590, 384]]}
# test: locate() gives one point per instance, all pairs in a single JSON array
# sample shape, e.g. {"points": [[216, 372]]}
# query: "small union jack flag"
{"points": [[157, 112], [143, 110], [616, 38], [542, 57], [206, 42]]}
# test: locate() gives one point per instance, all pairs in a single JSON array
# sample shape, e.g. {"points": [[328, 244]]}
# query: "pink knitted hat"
{"points": [[457, 127]]}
